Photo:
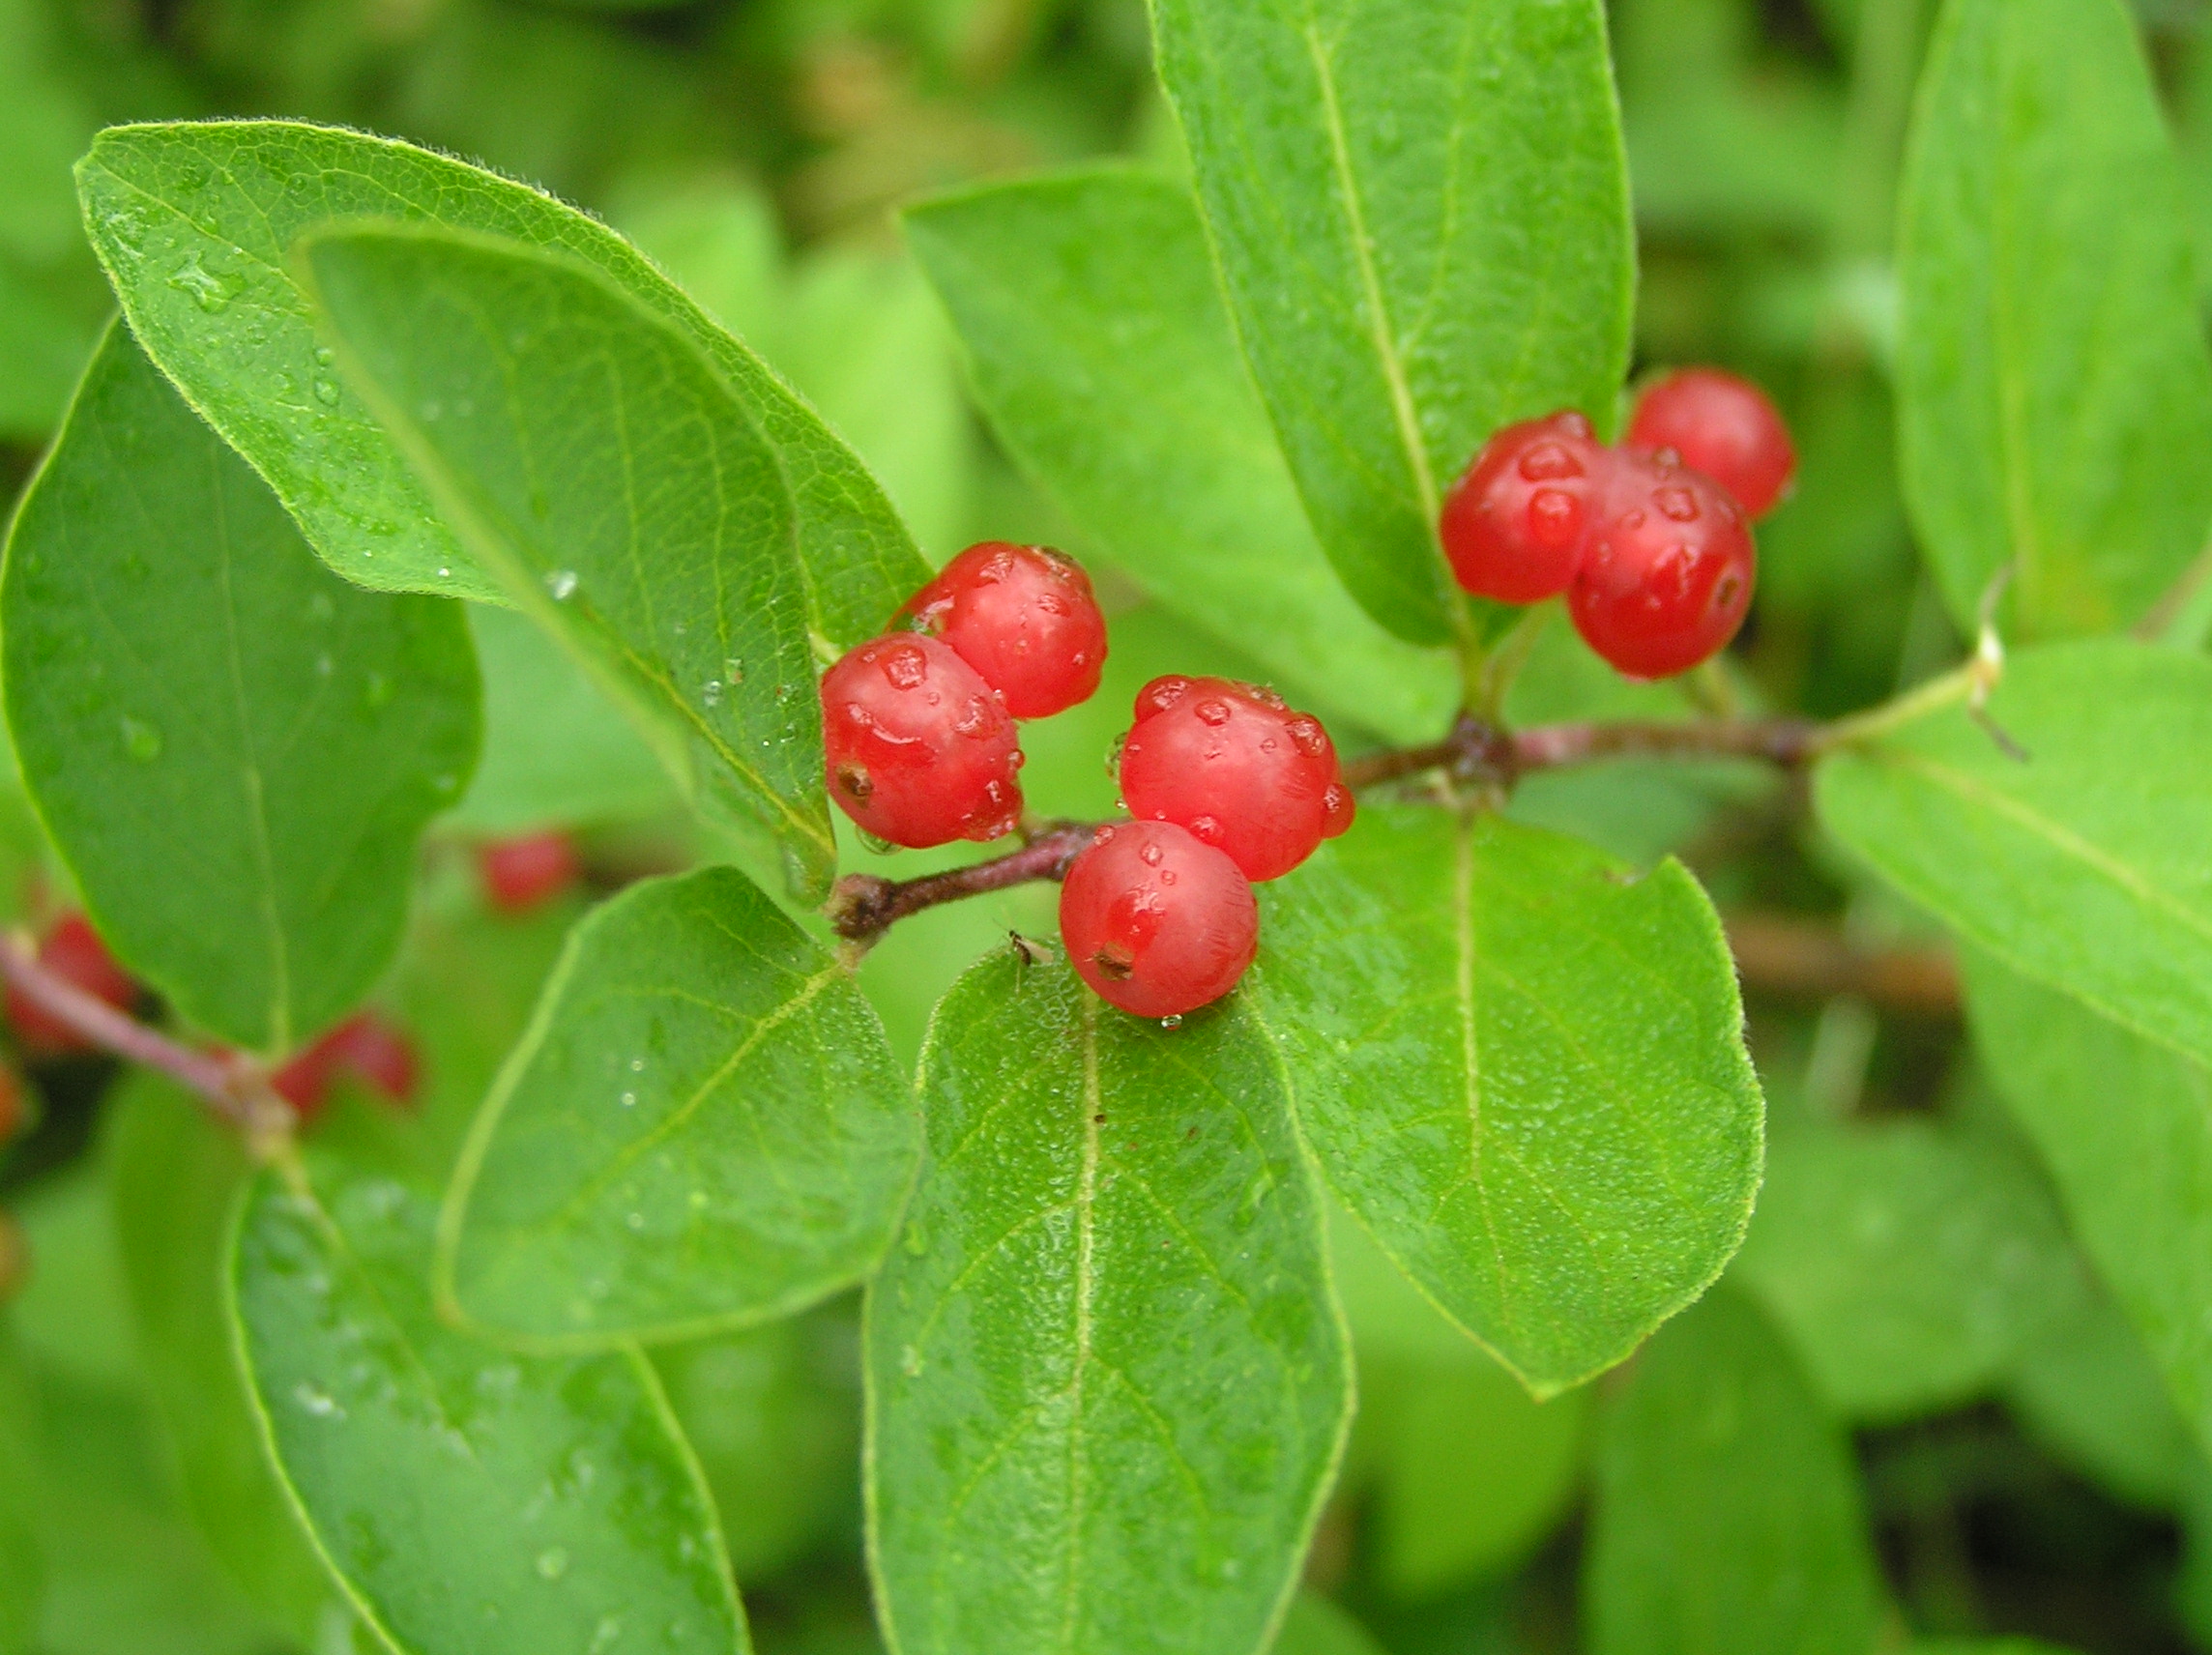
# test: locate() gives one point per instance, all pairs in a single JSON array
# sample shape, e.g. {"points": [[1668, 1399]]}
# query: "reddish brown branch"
{"points": [[863, 906], [234, 1088], [1802, 958], [1476, 751]]}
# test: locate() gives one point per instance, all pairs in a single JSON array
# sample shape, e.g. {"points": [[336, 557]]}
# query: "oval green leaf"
{"points": [[1107, 1388], [1522, 1065], [2079, 864], [1097, 339], [702, 1128], [1421, 217], [194, 222], [598, 466], [452, 1488], [2055, 390], [234, 749]]}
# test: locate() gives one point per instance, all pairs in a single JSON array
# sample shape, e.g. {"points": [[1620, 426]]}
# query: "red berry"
{"points": [[15, 1112], [1515, 524], [364, 1046], [1157, 922], [920, 749], [1242, 771], [1024, 616], [520, 873], [74, 952], [1723, 427], [1668, 576]]}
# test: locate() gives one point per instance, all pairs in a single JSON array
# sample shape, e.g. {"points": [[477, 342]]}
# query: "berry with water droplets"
{"points": [[1669, 573], [918, 749], [1024, 616], [1157, 922], [365, 1047], [73, 951], [1724, 426], [1515, 524], [520, 873], [1242, 771]]}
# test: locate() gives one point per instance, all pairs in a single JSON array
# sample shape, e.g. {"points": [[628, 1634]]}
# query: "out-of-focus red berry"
{"points": [[1668, 574], [520, 873], [364, 1046], [15, 1109], [73, 951], [918, 749], [1157, 922], [1024, 618], [1240, 770], [1723, 427]]}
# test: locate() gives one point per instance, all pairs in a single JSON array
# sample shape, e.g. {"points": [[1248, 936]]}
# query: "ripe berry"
{"points": [[1242, 771], [1515, 524], [1723, 427], [74, 952], [1669, 573], [520, 873], [1157, 922], [920, 749], [363, 1046], [1024, 616]]}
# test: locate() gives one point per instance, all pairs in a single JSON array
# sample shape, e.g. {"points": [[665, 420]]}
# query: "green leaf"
{"points": [[2089, 1394], [1316, 1626], [234, 750], [176, 1176], [2125, 1127], [1421, 215], [1106, 1385], [73, 1313], [1909, 1262], [702, 1128], [1097, 341], [23, 1570], [194, 222], [1728, 1518], [1522, 1065], [557, 751], [2080, 865], [449, 1486], [598, 466], [2055, 390]]}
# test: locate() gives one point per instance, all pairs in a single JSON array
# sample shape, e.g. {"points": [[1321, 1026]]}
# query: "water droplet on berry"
{"points": [[1679, 504], [1167, 875], [1151, 856], [1213, 712], [1161, 694], [1206, 829], [1547, 463], [905, 666]]}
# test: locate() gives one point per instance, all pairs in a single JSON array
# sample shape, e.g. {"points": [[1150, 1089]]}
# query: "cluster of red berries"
{"points": [[1650, 541], [1228, 784]]}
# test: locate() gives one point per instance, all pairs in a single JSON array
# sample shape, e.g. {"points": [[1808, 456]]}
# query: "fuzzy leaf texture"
{"points": [[465, 1498], [1097, 339], [2083, 864], [599, 467], [2125, 1127], [1726, 1517], [234, 750], [2055, 390], [1522, 1065], [1422, 222], [194, 222], [1107, 1388], [702, 1127]]}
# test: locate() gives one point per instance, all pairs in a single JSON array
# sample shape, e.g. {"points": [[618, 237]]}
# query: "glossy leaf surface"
{"points": [[597, 465], [1096, 338], [1728, 1518], [1907, 1262], [2083, 863], [702, 1127], [22, 1571], [234, 749], [1421, 218], [452, 1488], [195, 222], [1522, 1065], [1106, 1383], [2125, 1127], [2056, 392]]}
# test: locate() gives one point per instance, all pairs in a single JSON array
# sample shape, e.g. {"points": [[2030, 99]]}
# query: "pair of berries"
{"points": [[1229, 786], [1651, 543], [918, 726]]}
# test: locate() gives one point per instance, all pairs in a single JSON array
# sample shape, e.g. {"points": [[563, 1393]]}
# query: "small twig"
{"points": [[1476, 751], [1801, 957], [864, 905], [235, 1087]]}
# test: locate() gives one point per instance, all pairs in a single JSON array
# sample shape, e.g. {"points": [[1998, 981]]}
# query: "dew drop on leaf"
{"points": [[210, 291], [141, 740], [562, 584], [552, 1563], [327, 393]]}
